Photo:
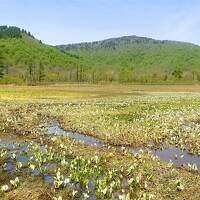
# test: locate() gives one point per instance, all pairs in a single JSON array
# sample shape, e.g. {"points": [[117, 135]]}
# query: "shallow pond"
{"points": [[177, 156]]}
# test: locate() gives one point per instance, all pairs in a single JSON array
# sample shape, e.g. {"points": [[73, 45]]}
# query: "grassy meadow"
{"points": [[34, 165]]}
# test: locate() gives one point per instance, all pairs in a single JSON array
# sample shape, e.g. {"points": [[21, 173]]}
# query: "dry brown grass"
{"points": [[31, 189], [87, 90]]}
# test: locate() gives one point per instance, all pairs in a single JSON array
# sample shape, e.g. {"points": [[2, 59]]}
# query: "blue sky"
{"points": [[70, 21]]}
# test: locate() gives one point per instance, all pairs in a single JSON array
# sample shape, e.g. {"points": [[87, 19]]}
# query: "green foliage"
{"points": [[13, 32], [177, 73], [32, 61], [137, 59], [125, 60], [1, 66], [10, 32], [112, 43], [41, 72]]}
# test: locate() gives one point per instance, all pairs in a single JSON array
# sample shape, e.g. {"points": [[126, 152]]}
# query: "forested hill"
{"points": [[13, 32], [24, 59], [113, 43], [140, 59], [129, 59]]}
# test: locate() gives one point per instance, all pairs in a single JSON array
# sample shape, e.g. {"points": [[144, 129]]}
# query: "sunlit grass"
{"points": [[40, 92]]}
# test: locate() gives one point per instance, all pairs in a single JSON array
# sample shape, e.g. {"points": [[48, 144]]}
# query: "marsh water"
{"points": [[177, 156], [11, 144]]}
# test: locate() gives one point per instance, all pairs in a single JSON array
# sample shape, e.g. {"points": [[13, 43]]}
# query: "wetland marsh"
{"points": [[111, 143]]}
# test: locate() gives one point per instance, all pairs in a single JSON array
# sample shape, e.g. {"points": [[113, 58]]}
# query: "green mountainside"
{"points": [[142, 59], [24, 59]]}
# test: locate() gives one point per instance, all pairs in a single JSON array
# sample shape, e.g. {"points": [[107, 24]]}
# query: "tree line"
{"points": [[34, 73], [38, 72], [13, 32]]}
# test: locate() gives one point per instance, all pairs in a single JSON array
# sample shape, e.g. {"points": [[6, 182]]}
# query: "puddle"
{"points": [[177, 156], [8, 143], [48, 179], [56, 130]]}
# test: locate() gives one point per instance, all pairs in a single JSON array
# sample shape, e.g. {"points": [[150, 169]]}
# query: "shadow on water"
{"points": [[177, 156]]}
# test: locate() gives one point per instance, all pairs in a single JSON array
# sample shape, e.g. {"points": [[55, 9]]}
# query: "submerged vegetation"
{"points": [[39, 165]]}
